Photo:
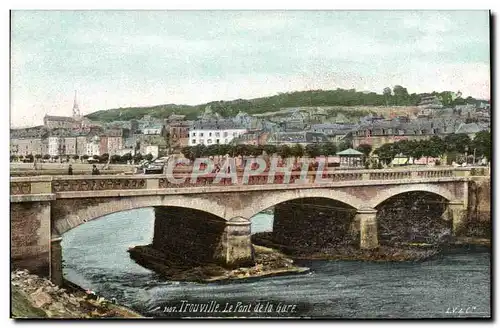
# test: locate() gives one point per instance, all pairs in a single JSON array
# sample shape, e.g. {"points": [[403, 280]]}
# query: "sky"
{"points": [[140, 58]]}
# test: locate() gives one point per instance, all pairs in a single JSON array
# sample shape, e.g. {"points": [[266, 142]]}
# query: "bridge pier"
{"points": [[30, 236], [196, 237], [56, 268], [367, 218], [237, 249], [311, 224], [458, 213]]}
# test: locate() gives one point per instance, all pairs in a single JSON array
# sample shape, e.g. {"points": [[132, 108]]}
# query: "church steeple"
{"points": [[76, 109]]}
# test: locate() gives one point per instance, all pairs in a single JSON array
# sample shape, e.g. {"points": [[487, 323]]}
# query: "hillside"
{"points": [[399, 96]]}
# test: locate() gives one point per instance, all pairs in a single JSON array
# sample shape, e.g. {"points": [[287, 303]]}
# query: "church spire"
{"points": [[76, 109]]}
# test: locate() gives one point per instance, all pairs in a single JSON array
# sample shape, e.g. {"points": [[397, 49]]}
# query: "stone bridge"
{"points": [[208, 220]]}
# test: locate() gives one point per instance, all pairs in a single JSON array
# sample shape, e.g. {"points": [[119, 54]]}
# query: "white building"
{"points": [[93, 146], [55, 146], [214, 132], [153, 150]]}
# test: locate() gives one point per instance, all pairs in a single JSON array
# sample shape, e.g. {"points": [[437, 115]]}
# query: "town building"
{"points": [[211, 132], [244, 120], [69, 146], [350, 158], [175, 118], [179, 133], [81, 145], [255, 138], [152, 149], [114, 144], [103, 144], [55, 145], [27, 146], [154, 129], [336, 133], [93, 146], [290, 138], [428, 105], [471, 129], [295, 122], [389, 132], [57, 122]]}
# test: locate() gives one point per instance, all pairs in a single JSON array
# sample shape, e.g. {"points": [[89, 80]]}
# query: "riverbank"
{"points": [[402, 252], [268, 262], [36, 297], [350, 252]]}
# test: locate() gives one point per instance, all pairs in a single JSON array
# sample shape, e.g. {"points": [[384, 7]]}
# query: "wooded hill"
{"points": [[397, 96]]}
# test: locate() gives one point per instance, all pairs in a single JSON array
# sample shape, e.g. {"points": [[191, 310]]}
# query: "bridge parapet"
{"points": [[31, 185], [76, 183]]}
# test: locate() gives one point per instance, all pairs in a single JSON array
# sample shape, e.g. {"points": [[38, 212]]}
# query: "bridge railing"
{"points": [[57, 184]]}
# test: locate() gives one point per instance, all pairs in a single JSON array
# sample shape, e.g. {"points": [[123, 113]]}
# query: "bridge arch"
{"points": [[70, 213], [385, 194], [280, 196]]}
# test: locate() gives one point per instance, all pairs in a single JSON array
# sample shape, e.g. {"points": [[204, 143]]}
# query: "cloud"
{"points": [[152, 57]]}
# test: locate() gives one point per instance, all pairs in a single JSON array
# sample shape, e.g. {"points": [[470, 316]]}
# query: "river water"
{"points": [[451, 286]]}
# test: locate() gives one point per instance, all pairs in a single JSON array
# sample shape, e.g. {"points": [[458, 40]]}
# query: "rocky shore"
{"points": [[36, 297], [396, 253], [268, 262]]}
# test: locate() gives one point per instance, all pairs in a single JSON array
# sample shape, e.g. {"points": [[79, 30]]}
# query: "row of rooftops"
{"points": [[313, 136], [376, 128], [147, 122], [216, 124]]}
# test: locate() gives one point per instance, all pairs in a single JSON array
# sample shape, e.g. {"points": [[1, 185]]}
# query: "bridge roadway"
{"points": [[44, 207]]}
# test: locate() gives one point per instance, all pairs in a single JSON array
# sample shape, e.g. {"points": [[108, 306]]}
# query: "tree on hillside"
{"points": [[417, 149], [400, 95], [457, 142], [242, 150], [434, 147], [212, 150], [225, 149], [284, 151], [258, 150], [270, 149], [386, 153], [328, 149], [387, 95], [404, 147], [29, 158], [104, 158], [115, 159], [313, 150], [297, 151], [365, 149], [186, 151], [198, 151], [138, 157], [126, 157], [346, 144], [446, 98], [482, 144]]}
